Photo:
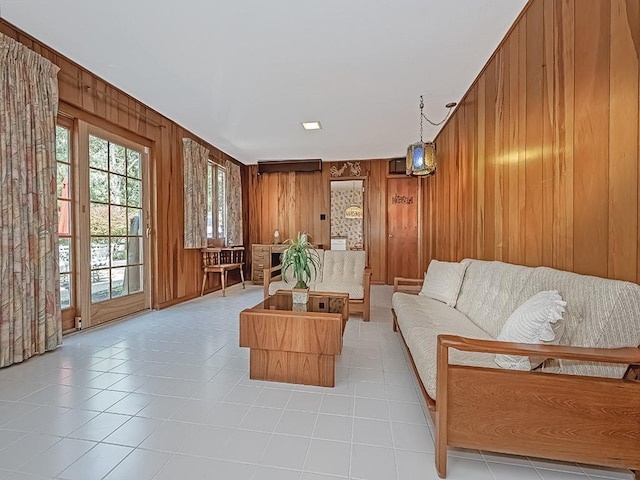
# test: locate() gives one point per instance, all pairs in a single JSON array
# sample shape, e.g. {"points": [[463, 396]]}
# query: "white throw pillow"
{"points": [[443, 280], [533, 322]]}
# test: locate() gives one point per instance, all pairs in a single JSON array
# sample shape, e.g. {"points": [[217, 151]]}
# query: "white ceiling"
{"points": [[243, 74]]}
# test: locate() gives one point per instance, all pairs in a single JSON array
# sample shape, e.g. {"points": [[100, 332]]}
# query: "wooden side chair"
{"points": [[222, 260]]}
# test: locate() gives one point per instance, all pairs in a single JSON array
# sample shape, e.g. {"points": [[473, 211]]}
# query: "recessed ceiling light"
{"points": [[311, 125]]}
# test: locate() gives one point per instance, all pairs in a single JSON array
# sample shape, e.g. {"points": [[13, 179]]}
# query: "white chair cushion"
{"points": [[282, 285], [532, 322], [342, 266], [443, 280], [355, 291]]}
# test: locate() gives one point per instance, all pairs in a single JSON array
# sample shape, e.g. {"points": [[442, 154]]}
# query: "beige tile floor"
{"points": [[165, 395]]}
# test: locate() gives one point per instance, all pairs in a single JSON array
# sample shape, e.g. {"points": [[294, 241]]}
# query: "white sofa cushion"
{"points": [[532, 322], [443, 280], [600, 313], [421, 320]]}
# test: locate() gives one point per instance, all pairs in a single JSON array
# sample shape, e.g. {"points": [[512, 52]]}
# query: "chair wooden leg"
{"points": [[637, 474], [242, 277], [204, 282], [223, 277]]}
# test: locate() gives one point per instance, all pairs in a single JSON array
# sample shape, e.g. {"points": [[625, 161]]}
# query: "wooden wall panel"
{"points": [[294, 201], [176, 271], [534, 136], [623, 145], [591, 137], [551, 133]]}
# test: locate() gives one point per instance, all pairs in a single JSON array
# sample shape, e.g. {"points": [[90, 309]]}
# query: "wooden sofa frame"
{"points": [[355, 306], [562, 417]]}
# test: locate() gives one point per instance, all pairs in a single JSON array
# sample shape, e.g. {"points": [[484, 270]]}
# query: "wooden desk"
{"points": [[221, 260], [264, 256], [292, 346]]}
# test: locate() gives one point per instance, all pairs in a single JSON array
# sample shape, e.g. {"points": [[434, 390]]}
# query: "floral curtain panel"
{"points": [[30, 320], [195, 194], [234, 204]]}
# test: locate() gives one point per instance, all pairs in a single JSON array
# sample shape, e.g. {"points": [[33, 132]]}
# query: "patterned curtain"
{"points": [[234, 204], [30, 321], [195, 194]]}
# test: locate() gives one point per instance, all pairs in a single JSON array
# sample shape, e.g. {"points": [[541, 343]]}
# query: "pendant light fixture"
{"points": [[421, 156]]}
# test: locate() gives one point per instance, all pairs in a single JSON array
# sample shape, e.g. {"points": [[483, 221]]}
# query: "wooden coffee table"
{"points": [[295, 346]]}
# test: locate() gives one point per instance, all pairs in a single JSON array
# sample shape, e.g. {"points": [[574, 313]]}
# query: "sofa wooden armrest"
{"points": [[626, 356], [366, 301], [563, 417], [270, 277], [407, 285]]}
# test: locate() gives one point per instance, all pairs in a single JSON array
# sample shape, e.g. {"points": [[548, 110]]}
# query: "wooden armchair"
{"points": [[221, 260]]}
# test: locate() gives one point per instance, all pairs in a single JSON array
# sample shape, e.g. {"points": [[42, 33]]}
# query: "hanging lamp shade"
{"points": [[354, 210], [421, 158]]}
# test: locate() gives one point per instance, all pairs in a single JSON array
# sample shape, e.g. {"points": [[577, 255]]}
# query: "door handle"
{"points": [[148, 231], [391, 235]]}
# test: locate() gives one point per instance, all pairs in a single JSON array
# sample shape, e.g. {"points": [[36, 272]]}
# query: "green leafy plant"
{"points": [[301, 257]]}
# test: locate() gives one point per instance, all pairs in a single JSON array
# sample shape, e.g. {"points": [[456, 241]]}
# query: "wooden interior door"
{"points": [[402, 228]]}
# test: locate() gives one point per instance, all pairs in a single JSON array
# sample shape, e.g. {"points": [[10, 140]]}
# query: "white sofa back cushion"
{"points": [[532, 322], [443, 280], [491, 291], [343, 271], [344, 266], [601, 313]]}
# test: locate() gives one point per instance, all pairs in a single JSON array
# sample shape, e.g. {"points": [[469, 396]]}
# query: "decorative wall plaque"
{"points": [[355, 169], [401, 199]]}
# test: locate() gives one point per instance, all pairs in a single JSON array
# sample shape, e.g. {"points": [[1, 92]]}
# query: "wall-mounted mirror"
{"points": [[347, 214]]}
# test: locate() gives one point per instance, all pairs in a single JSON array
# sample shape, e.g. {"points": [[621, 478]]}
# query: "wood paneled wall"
{"points": [[176, 271], [294, 201], [539, 163]]}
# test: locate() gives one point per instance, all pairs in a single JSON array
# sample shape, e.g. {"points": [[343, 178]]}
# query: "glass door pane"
{"points": [[65, 217], [116, 228]]}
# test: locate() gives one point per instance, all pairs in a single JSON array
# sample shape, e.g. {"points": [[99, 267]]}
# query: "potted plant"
{"points": [[301, 257]]}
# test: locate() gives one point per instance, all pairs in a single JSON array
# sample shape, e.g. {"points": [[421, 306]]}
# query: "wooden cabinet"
{"points": [[264, 256]]}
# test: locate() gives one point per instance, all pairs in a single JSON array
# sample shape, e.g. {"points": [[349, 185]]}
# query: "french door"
{"points": [[113, 228]]}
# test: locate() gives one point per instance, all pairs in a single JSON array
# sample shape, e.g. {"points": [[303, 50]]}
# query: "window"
{"points": [[63, 163], [216, 205]]}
